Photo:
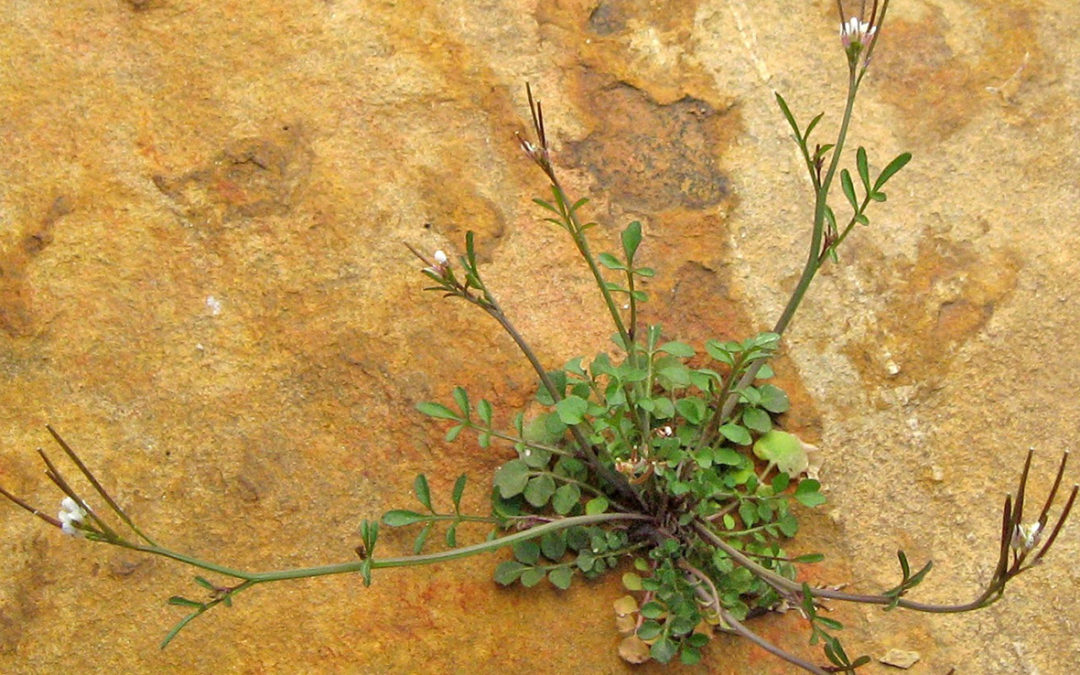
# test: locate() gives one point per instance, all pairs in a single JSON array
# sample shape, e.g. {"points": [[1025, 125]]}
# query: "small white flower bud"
{"points": [[441, 258], [71, 514], [1026, 537]]}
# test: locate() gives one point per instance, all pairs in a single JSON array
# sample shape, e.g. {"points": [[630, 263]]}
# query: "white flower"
{"points": [[71, 514], [441, 258], [857, 32], [1025, 537]]}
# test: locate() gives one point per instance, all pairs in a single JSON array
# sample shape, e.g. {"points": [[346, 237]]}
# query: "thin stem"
{"points": [[97, 486], [813, 258], [383, 563], [768, 646]]}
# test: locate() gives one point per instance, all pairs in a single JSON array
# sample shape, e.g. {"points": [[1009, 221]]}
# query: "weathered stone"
{"points": [[273, 156]]}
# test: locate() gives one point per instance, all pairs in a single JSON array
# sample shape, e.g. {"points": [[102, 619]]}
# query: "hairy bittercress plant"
{"points": [[666, 462]]}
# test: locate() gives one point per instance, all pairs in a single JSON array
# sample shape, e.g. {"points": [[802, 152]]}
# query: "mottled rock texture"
{"points": [[203, 287]]}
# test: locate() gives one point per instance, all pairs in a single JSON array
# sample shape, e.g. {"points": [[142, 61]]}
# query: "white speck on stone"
{"points": [[937, 474], [214, 304], [891, 368]]}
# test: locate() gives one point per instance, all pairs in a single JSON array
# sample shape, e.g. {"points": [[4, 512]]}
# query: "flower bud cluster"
{"points": [[71, 517]]}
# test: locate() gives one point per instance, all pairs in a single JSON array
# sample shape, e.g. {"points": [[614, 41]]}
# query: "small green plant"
{"points": [[661, 461]]}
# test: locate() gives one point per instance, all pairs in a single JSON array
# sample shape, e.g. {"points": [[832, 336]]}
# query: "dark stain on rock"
{"points": [[945, 298], [652, 157], [28, 582], [16, 314], [922, 72], [607, 19], [611, 17], [250, 178], [458, 207]]}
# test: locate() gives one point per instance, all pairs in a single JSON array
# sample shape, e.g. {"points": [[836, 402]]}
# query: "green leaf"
{"points": [[790, 118], [539, 490], [553, 546], [663, 408], [532, 576], [735, 433], [507, 572], [680, 349], [810, 127], [461, 397], [205, 583], [727, 457], [536, 458], [483, 408], [663, 650], [184, 602], [511, 478], [421, 539], [451, 536], [901, 160], [454, 432], [631, 581], [596, 506], [720, 352], [757, 420], [878, 196], [527, 552], [459, 489], [571, 410], [649, 630], [423, 492], [780, 482], [177, 628], [690, 656], [784, 450], [652, 610], [565, 498], [609, 261], [863, 166], [560, 577], [861, 219], [774, 399], [631, 239], [691, 408], [401, 517], [546, 205], [808, 493], [748, 513], [849, 189], [558, 379], [437, 411], [809, 558], [646, 272]]}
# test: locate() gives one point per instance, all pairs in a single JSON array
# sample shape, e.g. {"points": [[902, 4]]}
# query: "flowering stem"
{"points": [[814, 258]]}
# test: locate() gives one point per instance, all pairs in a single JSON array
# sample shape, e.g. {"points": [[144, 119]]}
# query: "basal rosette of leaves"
{"points": [[655, 421]]}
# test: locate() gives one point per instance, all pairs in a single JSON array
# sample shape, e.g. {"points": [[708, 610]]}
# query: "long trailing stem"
{"points": [[1012, 543], [385, 563]]}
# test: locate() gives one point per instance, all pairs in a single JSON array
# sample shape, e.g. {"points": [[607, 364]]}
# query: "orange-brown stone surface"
{"points": [[203, 287]]}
